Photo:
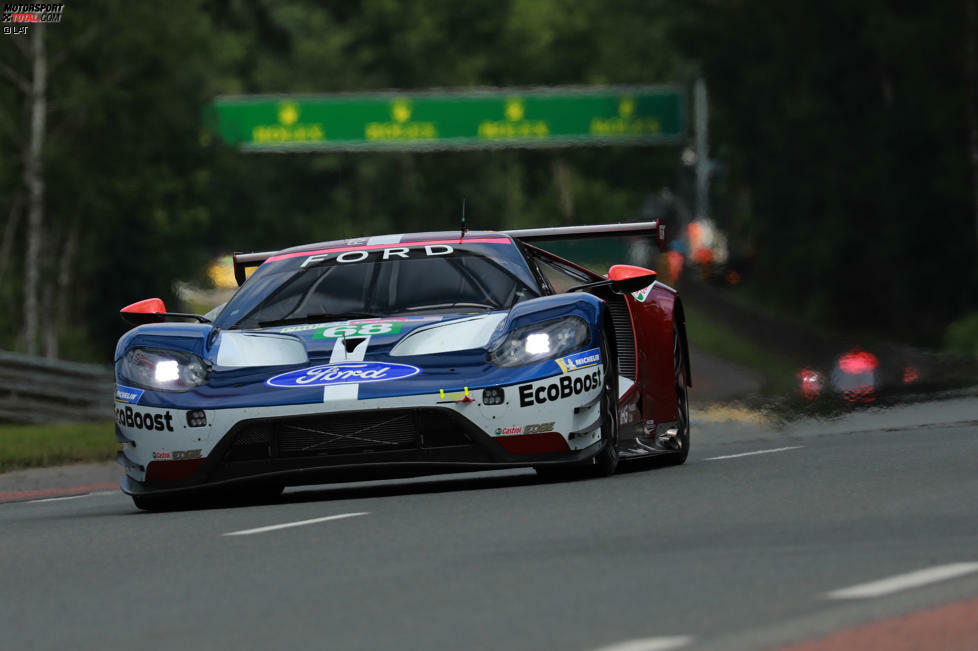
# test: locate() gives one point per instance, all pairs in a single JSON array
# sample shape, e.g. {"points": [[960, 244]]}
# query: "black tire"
{"points": [[682, 400]]}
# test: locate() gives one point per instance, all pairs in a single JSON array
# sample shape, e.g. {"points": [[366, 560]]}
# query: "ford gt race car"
{"points": [[403, 355]]}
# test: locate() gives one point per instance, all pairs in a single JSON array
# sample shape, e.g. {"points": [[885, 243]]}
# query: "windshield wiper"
{"points": [[340, 316]]}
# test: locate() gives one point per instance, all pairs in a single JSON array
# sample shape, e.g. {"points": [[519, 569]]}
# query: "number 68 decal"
{"points": [[361, 329]]}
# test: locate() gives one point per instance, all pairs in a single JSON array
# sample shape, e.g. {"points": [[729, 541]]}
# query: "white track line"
{"points": [[70, 497], [904, 581], [748, 454], [287, 525], [649, 644]]}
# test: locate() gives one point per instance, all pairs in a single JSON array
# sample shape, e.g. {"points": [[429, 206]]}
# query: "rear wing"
{"points": [[245, 261], [648, 229]]}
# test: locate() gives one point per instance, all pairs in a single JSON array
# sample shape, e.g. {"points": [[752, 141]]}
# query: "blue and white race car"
{"points": [[403, 355]]}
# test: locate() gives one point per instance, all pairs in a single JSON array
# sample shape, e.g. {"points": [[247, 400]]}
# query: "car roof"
{"points": [[396, 239]]}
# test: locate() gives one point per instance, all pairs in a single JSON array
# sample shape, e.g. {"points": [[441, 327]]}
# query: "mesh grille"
{"points": [[624, 337], [346, 433], [254, 436], [363, 431]]}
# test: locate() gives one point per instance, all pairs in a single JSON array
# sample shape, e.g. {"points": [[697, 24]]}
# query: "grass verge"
{"points": [[713, 337], [56, 444]]}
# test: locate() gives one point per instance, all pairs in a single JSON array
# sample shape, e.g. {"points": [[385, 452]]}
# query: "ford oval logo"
{"points": [[343, 373]]}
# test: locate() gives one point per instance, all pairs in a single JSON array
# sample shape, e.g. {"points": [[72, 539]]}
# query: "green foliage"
{"points": [[962, 335], [718, 339], [29, 446], [841, 125]]}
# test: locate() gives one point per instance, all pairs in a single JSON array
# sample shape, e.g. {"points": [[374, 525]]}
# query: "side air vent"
{"points": [[624, 336]]}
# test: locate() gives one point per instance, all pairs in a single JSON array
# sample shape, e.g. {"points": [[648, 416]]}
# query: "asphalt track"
{"points": [[828, 528]]}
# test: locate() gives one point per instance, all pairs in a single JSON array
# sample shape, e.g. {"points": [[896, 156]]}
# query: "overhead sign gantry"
{"points": [[449, 120]]}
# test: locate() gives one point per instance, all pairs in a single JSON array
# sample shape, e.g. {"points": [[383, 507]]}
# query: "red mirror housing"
{"points": [[149, 310], [626, 278], [627, 271], [145, 306]]}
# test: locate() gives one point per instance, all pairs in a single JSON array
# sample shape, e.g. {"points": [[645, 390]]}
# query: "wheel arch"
{"points": [[679, 322]]}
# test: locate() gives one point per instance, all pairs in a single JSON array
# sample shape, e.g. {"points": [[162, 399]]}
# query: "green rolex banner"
{"points": [[478, 119]]}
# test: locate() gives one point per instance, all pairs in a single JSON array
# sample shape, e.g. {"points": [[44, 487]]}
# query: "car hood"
{"points": [[424, 354], [398, 336]]}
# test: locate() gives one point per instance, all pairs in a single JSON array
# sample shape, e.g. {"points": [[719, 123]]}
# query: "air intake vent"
{"points": [[346, 433], [624, 336], [360, 431]]}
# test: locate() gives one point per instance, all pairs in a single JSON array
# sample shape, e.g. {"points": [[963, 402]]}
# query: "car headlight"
{"points": [[163, 370], [539, 342]]}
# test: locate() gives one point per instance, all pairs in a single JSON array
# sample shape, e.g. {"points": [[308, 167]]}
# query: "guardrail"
{"points": [[41, 390]]}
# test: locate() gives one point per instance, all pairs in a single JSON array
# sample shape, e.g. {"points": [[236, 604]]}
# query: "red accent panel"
{"points": [[171, 470], [534, 443], [626, 271], [146, 306], [652, 321], [628, 407], [371, 247]]}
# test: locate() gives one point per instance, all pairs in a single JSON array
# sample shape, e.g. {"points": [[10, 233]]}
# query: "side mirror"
{"points": [[622, 279], [626, 278], [150, 310]]}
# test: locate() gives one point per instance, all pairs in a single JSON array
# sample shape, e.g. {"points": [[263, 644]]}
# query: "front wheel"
{"points": [[682, 400]]}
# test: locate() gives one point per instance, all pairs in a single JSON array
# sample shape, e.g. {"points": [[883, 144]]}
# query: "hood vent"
{"points": [[352, 342]]}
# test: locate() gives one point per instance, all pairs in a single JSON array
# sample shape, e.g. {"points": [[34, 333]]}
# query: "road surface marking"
{"points": [[287, 525], [904, 581], [70, 497], [953, 626], [649, 644], [24, 496], [748, 454]]}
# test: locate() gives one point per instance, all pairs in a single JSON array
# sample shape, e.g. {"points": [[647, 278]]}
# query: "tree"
{"points": [[844, 124], [35, 92]]}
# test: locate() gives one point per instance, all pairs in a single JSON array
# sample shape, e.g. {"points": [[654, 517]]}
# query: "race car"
{"points": [[401, 355]]}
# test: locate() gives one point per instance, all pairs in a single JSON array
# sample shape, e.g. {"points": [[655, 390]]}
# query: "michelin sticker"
{"points": [[579, 360], [343, 373], [127, 394]]}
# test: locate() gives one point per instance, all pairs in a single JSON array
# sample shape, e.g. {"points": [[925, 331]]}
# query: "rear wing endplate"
{"points": [[245, 261]]}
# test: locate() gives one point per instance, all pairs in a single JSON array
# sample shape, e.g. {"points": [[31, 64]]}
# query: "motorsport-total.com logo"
{"points": [[19, 16]]}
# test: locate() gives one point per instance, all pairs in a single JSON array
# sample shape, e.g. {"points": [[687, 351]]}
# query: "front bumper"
{"points": [[360, 439]]}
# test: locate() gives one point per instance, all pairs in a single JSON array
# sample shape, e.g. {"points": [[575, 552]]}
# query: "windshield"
{"points": [[352, 286]]}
